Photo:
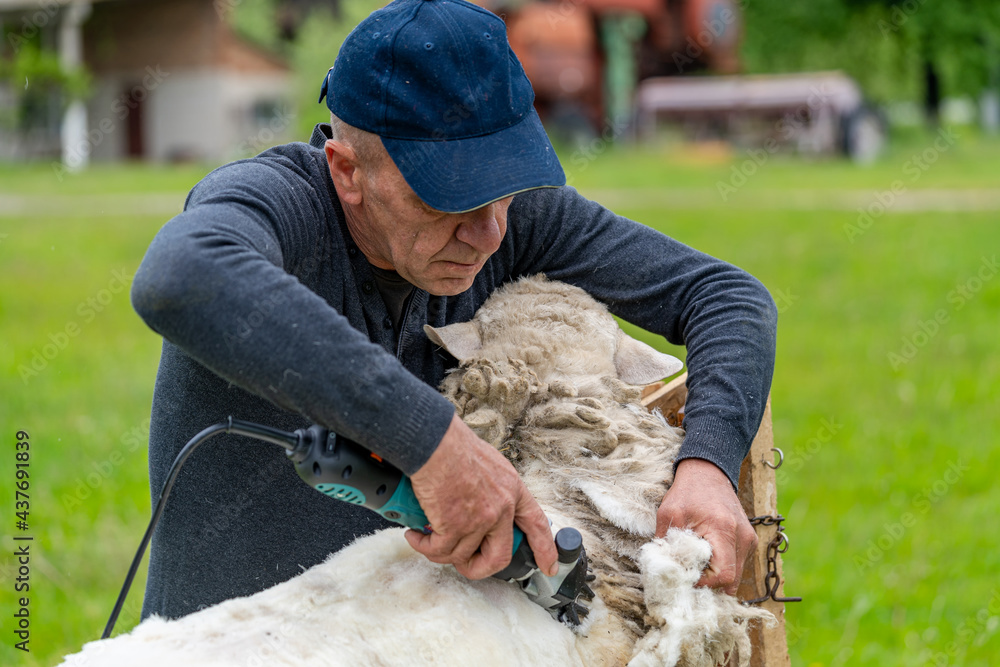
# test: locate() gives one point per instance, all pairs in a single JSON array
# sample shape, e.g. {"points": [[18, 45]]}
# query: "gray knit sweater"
{"points": [[269, 312]]}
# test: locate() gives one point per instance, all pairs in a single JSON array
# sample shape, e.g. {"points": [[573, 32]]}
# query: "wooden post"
{"points": [[759, 496]]}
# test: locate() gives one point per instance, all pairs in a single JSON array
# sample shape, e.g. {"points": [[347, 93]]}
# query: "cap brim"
{"points": [[460, 175]]}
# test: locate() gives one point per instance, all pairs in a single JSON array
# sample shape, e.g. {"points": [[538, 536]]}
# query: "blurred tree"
{"points": [[38, 87], [293, 14], [822, 35], [950, 38], [257, 20], [309, 33], [316, 45], [275, 23], [897, 49]]}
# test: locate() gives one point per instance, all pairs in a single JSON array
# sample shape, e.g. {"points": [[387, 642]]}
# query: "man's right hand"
{"points": [[472, 496]]}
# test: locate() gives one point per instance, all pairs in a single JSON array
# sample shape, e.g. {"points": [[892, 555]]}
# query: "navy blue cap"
{"points": [[438, 82]]}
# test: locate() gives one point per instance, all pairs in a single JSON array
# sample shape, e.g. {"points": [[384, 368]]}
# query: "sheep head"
{"points": [[529, 321], [547, 377]]}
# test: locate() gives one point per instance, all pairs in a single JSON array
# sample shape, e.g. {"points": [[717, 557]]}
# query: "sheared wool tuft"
{"points": [[691, 626], [548, 378]]}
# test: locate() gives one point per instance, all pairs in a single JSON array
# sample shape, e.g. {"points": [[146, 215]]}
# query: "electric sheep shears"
{"points": [[344, 470]]}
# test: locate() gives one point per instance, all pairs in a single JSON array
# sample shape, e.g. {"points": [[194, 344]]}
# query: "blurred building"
{"points": [[170, 80]]}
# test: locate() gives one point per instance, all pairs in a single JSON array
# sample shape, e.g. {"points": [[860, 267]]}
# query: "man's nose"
{"points": [[481, 230]]}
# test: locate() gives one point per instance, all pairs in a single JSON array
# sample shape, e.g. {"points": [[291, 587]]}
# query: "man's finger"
{"points": [[438, 548], [493, 555], [531, 519], [747, 546], [474, 559], [721, 571]]}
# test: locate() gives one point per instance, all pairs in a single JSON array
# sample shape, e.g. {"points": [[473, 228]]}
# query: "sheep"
{"points": [[547, 377]]}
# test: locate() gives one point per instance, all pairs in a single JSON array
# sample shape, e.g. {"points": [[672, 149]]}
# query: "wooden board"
{"points": [[759, 496], [668, 398]]}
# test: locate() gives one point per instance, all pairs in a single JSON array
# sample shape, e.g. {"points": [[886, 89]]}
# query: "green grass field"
{"points": [[885, 393]]}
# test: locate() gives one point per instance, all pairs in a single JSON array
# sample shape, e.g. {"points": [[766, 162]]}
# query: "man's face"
{"points": [[437, 252]]}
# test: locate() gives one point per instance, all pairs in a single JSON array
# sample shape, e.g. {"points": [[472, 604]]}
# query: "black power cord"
{"points": [[287, 440]]}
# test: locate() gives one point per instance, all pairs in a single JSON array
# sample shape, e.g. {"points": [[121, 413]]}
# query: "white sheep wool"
{"points": [[548, 378]]}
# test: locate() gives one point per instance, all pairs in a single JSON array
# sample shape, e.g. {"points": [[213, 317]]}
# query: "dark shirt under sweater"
{"points": [[395, 291], [270, 313]]}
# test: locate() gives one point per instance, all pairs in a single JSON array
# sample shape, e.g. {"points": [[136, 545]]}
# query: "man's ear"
{"points": [[343, 163], [639, 364], [462, 339]]}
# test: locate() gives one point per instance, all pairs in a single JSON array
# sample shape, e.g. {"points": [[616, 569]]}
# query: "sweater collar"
{"points": [[320, 134]]}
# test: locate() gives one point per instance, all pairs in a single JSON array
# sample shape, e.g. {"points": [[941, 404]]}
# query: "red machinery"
{"points": [[601, 67], [568, 48]]}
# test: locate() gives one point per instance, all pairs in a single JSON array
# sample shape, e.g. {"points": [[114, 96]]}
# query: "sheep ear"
{"points": [[639, 364], [462, 339]]}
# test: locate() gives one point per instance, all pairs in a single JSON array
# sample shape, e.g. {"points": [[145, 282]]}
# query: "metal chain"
{"points": [[778, 545]]}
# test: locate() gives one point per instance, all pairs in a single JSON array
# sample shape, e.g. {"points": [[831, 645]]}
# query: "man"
{"points": [[294, 287]]}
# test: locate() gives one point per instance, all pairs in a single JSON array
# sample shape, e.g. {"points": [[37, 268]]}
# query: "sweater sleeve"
{"points": [[724, 317], [222, 282]]}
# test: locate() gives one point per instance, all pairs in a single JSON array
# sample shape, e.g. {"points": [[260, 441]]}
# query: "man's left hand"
{"points": [[702, 499]]}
